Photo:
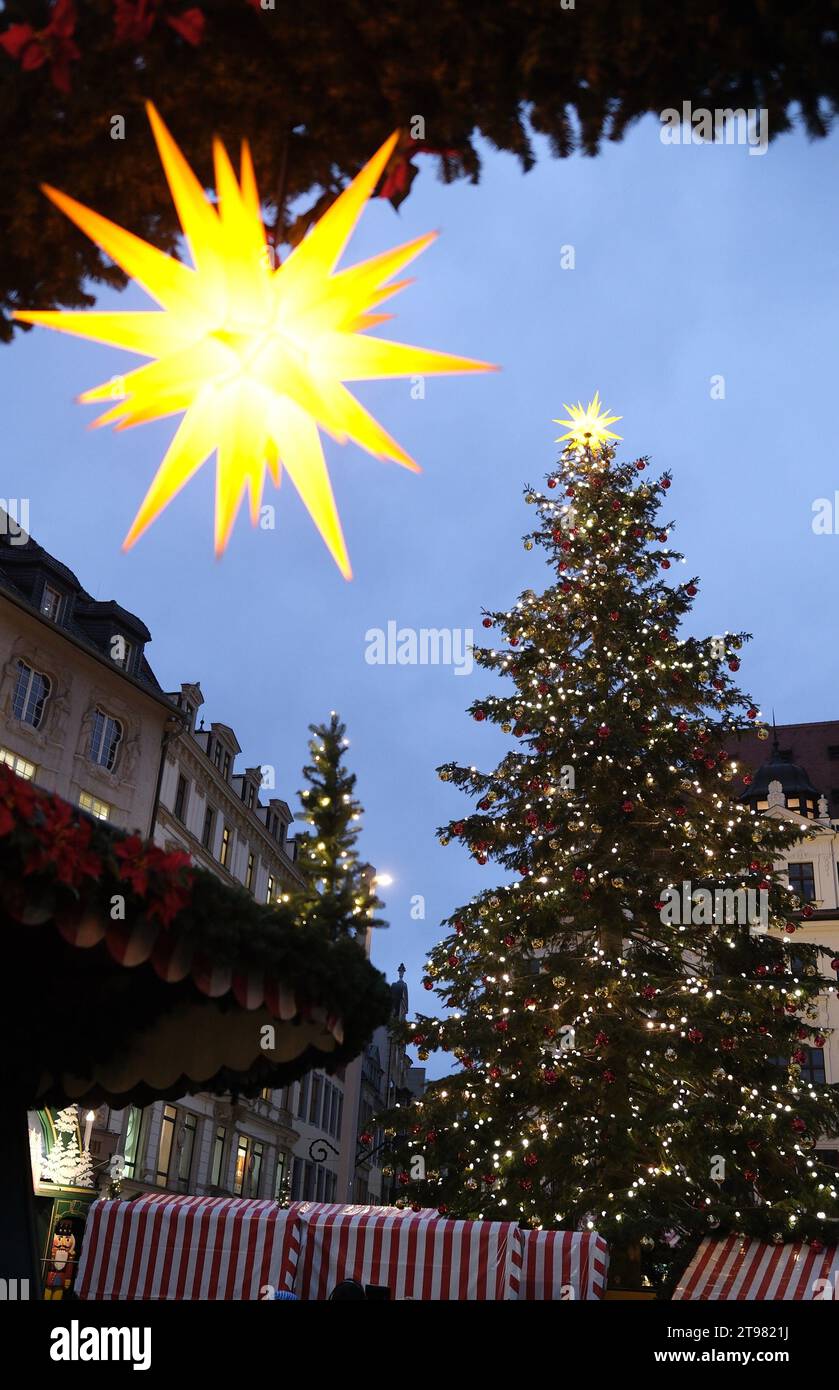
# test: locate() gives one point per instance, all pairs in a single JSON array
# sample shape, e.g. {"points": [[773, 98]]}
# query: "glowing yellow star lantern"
{"points": [[588, 424], [256, 355]]}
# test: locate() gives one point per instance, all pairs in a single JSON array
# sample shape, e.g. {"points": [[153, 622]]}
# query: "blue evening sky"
{"points": [[690, 262]]}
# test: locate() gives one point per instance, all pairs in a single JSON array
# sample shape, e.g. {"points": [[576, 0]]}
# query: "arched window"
{"points": [[105, 737], [31, 694]]}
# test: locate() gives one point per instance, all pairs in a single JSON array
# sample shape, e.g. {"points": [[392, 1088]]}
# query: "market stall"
{"points": [[750, 1271], [560, 1265]]}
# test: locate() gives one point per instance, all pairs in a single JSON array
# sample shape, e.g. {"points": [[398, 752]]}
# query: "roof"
{"points": [[793, 778], [88, 621]]}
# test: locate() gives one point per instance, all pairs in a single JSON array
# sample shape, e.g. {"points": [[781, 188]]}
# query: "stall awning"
{"points": [[750, 1271], [560, 1265]]}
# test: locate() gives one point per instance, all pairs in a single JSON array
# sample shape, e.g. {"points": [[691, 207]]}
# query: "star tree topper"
{"points": [[256, 355], [589, 424]]}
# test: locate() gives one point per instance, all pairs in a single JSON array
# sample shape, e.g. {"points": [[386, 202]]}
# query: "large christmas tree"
{"points": [[630, 1037]]}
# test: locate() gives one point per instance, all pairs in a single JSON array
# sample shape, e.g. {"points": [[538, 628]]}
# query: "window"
{"points": [[51, 603], [31, 694], [217, 754], [225, 846], [226, 768], [186, 1146], [257, 1155], [207, 832], [833, 751], [20, 765], [280, 1175], [104, 739], [340, 1117], [122, 652], [269, 896], [248, 1175], [217, 1160], [94, 807], [802, 881], [302, 1096], [181, 798], [813, 1069], [165, 1143], [308, 1182], [315, 1100], [296, 1179], [251, 796], [249, 873], [135, 1141]]}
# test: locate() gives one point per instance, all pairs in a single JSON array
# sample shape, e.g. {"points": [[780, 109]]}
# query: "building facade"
{"points": [[782, 789], [81, 711]]}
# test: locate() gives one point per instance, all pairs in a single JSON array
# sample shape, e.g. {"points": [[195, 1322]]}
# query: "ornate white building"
{"points": [[782, 790]]}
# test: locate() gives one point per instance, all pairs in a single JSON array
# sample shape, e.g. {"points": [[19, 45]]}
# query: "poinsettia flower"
{"points": [[32, 48], [135, 19]]}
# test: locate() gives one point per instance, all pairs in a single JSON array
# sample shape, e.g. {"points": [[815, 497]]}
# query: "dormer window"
{"points": [[105, 737], [51, 603], [251, 796], [31, 694], [122, 652], [225, 771], [217, 755]]}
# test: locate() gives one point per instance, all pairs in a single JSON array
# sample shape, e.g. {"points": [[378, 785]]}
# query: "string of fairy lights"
{"points": [[607, 1056]]}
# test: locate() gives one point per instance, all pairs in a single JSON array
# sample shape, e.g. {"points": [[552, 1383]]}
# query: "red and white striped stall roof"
{"points": [[418, 1255], [559, 1265], [749, 1270], [166, 1247]]}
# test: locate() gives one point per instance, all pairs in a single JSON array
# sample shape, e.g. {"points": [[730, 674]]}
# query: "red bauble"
{"points": [[403, 1178], [457, 828], [682, 725], [526, 1184], [608, 1077], [691, 590], [728, 1044], [834, 964], [487, 622], [734, 664], [549, 1076], [751, 714], [799, 1055], [442, 1209], [665, 564], [695, 1036], [551, 482], [614, 615], [601, 1039], [747, 781], [428, 984], [665, 483], [649, 991], [628, 806], [488, 1178], [579, 876], [479, 715], [604, 731], [799, 1125], [664, 634], [750, 1175], [761, 970], [531, 1160], [818, 1040], [531, 1003]]}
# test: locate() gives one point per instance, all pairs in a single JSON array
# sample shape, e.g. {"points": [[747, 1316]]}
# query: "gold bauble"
{"points": [[506, 728], [617, 883], [595, 828], [553, 844], [537, 943], [528, 545], [445, 776], [558, 981], [635, 703], [444, 840], [763, 733]]}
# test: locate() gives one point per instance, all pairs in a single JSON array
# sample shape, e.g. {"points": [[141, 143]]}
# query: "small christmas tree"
{"points": [[338, 886], [630, 1058], [65, 1164]]}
